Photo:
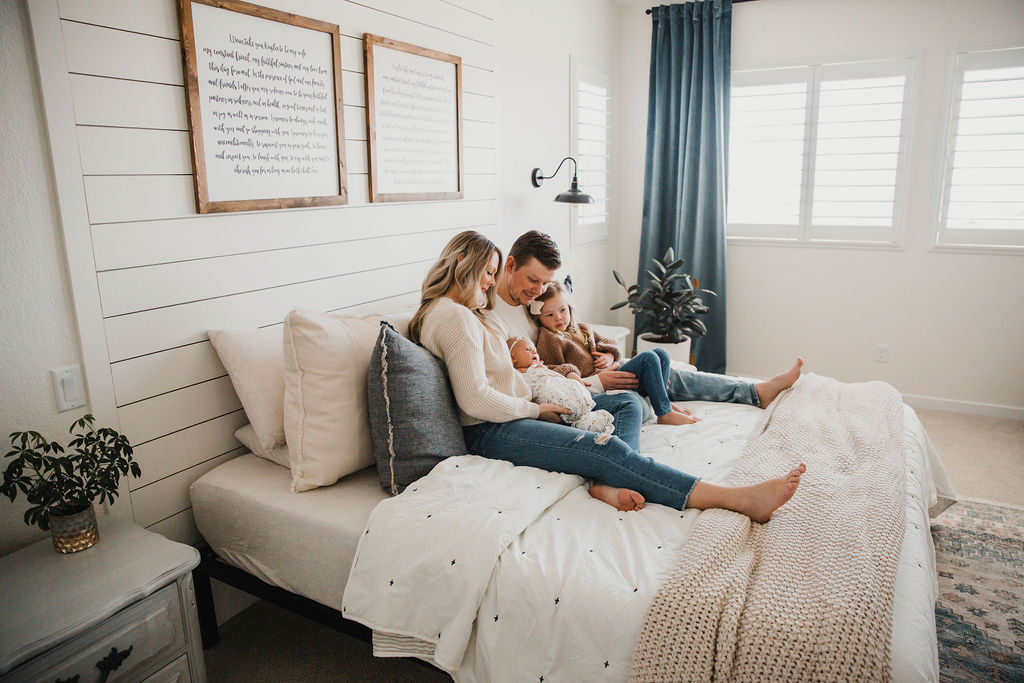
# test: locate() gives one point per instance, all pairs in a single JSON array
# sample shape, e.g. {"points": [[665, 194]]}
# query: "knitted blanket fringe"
{"points": [[808, 595]]}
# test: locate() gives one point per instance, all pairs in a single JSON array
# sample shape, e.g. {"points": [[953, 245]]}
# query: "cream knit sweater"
{"points": [[487, 388]]}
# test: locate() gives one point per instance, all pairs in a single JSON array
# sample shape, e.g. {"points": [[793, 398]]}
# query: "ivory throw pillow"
{"points": [[325, 416], [413, 416], [247, 435], [253, 361]]}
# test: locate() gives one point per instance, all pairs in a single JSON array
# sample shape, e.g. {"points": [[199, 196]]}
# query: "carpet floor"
{"points": [[979, 614]]}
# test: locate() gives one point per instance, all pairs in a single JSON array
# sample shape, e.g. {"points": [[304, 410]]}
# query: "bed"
{"points": [[505, 573]]}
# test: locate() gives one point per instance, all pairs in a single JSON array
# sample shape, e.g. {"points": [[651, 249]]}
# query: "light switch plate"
{"points": [[68, 388]]}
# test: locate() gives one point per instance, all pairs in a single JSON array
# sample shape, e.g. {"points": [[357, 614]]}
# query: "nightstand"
{"points": [[122, 610]]}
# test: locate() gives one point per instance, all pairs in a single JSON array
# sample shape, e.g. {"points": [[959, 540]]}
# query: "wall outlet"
{"points": [[881, 353], [68, 388]]}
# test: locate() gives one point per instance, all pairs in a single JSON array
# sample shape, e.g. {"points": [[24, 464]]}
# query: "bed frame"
{"points": [[211, 566]]}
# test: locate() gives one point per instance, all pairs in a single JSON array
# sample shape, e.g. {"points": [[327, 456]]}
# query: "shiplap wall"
{"points": [[151, 276]]}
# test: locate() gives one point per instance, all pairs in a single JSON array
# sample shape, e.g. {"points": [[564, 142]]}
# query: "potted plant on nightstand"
{"points": [[669, 305], [61, 487]]}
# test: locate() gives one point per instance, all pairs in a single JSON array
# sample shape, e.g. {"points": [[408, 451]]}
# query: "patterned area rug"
{"points": [[979, 551]]}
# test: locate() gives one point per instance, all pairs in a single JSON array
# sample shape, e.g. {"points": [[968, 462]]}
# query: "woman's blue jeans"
{"points": [[608, 460]]}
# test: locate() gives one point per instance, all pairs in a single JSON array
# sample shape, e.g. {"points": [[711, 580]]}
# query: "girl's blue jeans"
{"points": [[611, 460], [662, 384]]}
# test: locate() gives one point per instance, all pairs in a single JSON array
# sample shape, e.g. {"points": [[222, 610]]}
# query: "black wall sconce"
{"points": [[571, 196]]}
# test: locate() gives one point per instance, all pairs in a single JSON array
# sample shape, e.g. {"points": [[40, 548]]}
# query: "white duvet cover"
{"points": [[502, 573]]}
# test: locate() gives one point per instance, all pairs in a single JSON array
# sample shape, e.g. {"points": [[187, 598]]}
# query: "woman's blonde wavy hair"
{"points": [[449, 270]]}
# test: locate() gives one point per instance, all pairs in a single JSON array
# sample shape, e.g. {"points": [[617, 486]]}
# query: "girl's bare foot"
{"points": [[675, 418], [769, 389], [623, 500], [685, 411], [757, 502]]}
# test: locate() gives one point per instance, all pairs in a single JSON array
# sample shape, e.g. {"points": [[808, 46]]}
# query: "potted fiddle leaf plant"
{"points": [[669, 306], [61, 486]]}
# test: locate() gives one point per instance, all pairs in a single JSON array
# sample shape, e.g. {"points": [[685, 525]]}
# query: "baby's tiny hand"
{"points": [[576, 376]]}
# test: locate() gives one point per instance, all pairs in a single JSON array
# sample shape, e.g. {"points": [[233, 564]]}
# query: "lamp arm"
{"points": [[539, 179], [549, 177]]}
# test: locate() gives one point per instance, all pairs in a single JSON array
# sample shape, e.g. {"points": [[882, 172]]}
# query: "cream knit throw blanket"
{"points": [[807, 596]]}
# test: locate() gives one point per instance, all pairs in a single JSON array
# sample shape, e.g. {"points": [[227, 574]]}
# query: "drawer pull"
{"points": [[112, 661]]}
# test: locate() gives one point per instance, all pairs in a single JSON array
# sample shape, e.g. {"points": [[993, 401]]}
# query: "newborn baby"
{"points": [[549, 386]]}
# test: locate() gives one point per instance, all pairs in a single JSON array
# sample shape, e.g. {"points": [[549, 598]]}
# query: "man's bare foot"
{"points": [[757, 502], [675, 418], [685, 411], [623, 500], [769, 389]]}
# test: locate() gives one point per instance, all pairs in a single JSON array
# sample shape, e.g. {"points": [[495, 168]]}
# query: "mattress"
{"points": [[305, 542], [302, 542]]}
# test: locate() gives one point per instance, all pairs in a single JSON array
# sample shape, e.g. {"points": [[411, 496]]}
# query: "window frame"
{"points": [[970, 239], [592, 233], [806, 232]]}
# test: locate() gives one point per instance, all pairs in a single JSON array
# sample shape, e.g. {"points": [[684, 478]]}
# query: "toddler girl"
{"points": [[569, 346]]}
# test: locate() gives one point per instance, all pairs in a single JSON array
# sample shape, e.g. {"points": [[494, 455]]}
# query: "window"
{"points": [[816, 152], [983, 192], [590, 149]]}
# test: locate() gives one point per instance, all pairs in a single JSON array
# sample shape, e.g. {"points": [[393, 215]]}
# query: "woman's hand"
{"points": [[603, 360], [549, 412], [576, 376]]}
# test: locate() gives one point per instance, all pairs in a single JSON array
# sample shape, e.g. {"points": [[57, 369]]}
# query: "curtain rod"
{"points": [[735, 2]]}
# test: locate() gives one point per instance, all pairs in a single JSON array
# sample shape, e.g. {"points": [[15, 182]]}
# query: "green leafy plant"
{"points": [[65, 483], [671, 304]]}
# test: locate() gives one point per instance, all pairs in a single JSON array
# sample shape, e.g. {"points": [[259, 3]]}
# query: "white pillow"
{"points": [[247, 435], [254, 364], [325, 417]]}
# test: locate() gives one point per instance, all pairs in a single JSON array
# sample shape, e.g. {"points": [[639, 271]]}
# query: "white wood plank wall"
{"points": [[165, 275]]}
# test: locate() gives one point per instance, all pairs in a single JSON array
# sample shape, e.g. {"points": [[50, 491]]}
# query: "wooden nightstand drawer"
{"points": [[136, 639], [175, 672]]}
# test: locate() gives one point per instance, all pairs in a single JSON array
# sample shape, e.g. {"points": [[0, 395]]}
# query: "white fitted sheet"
{"points": [[302, 542]]}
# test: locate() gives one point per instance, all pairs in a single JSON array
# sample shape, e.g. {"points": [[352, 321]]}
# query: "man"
{"points": [[531, 265]]}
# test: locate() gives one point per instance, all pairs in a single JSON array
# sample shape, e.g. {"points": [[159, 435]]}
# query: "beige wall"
{"points": [[954, 321], [534, 116], [38, 329]]}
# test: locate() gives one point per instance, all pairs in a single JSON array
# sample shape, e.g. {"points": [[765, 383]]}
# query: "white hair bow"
{"points": [[535, 307]]}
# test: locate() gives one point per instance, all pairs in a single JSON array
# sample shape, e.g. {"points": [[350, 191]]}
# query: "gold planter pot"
{"points": [[75, 532]]}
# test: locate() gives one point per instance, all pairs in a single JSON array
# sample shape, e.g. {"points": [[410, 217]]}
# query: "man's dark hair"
{"points": [[538, 245]]}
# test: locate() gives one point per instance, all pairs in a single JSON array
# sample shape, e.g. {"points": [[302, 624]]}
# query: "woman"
{"points": [[499, 420]]}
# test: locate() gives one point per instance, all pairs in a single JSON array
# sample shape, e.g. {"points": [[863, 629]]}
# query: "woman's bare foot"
{"points": [[757, 502], [676, 418], [623, 500], [685, 411], [769, 389]]}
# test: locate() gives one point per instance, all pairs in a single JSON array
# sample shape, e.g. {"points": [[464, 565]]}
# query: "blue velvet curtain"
{"points": [[687, 139]]}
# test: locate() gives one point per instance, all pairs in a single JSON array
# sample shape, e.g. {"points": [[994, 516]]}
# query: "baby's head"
{"points": [[553, 309], [524, 353]]}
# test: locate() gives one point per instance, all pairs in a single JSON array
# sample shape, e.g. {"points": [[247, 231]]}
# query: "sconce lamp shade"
{"points": [[571, 196]]}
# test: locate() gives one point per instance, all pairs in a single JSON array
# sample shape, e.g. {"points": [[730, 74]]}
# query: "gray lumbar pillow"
{"points": [[414, 421]]}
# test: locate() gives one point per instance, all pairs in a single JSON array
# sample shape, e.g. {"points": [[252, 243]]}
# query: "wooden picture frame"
{"points": [[265, 107], [414, 121]]}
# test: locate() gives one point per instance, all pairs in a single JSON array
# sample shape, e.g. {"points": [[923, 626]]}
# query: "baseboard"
{"points": [[986, 501], [966, 407]]}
